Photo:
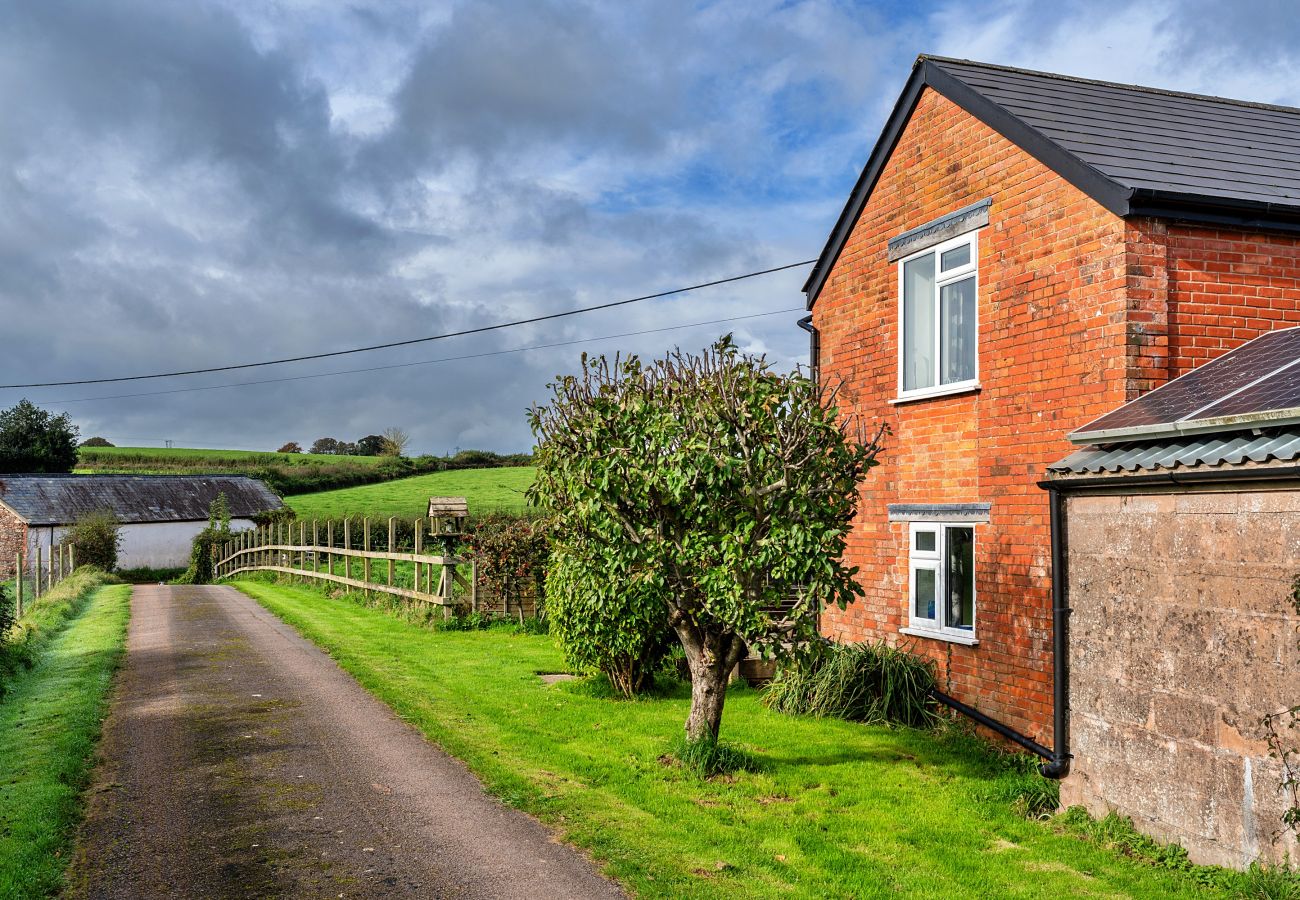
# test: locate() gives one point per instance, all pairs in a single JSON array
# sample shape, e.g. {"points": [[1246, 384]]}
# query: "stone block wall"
{"points": [[1183, 637]]}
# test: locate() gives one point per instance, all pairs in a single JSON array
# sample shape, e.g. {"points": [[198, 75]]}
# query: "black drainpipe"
{"points": [[1057, 760], [814, 345]]}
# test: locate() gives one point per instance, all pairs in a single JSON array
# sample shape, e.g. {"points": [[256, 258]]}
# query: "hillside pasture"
{"points": [[163, 460], [408, 498]]}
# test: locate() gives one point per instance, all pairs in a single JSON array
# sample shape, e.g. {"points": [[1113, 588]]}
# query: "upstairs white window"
{"points": [[941, 576], [938, 351]]}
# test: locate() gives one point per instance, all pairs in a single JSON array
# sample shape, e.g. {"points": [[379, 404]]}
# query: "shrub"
{"points": [[201, 570], [512, 553], [606, 620], [95, 539], [862, 682]]}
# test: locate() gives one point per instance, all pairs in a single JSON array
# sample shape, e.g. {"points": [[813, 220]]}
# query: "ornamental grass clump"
{"points": [[873, 683]]}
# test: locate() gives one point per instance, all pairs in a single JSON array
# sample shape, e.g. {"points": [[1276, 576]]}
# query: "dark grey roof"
{"points": [[1199, 451], [61, 499], [1136, 150]]}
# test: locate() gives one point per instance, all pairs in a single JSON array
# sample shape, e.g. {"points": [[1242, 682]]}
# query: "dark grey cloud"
{"points": [[200, 183]]}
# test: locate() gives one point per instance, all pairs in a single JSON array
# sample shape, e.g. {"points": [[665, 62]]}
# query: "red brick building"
{"points": [[1023, 253]]}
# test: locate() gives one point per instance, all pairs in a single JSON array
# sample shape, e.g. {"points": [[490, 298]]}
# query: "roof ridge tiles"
{"points": [[1146, 89]]}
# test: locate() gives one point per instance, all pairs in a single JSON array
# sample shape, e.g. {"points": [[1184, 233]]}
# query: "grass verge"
{"points": [[832, 808], [49, 725]]}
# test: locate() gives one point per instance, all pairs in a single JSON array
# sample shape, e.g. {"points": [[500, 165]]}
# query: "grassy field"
{"points": [[165, 459], [838, 809], [408, 498], [49, 723]]}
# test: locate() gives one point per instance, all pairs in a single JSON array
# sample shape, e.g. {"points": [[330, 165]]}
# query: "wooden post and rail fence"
{"points": [[328, 552], [48, 569]]}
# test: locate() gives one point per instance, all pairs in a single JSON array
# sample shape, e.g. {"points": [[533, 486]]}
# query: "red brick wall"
{"points": [[13, 538], [1057, 347], [1226, 287]]}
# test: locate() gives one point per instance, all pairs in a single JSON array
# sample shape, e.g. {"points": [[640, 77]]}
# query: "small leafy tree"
{"points": [[33, 440], [395, 441], [201, 570], [709, 490], [291, 447], [96, 539], [326, 445], [96, 442]]}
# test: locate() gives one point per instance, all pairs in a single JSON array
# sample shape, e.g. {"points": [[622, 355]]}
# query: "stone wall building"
{"points": [[160, 514], [1182, 558]]}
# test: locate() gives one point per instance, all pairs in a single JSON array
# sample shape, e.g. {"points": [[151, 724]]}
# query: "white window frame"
{"points": [[936, 561], [961, 273]]}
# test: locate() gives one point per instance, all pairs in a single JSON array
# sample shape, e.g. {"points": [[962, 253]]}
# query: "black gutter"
{"points": [[1124, 483]]}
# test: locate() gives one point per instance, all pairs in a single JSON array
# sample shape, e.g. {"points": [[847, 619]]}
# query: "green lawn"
{"points": [[408, 498], [840, 809], [49, 724]]}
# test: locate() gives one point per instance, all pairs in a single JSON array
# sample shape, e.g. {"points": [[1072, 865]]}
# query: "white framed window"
{"points": [[938, 320], [941, 581]]}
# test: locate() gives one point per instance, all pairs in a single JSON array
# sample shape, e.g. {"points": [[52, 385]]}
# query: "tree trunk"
{"points": [[711, 658]]}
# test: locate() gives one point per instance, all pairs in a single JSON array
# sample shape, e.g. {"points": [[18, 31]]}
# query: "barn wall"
{"points": [[155, 545], [163, 545], [1183, 637]]}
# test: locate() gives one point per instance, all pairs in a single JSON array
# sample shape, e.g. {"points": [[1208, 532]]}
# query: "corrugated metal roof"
{"points": [[61, 499], [1197, 451]]}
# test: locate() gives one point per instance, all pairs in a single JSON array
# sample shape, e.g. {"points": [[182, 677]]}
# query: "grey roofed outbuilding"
{"points": [[1191, 452], [133, 499], [1137, 151]]}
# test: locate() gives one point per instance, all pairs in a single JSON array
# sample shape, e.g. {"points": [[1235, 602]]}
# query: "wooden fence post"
{"points": [[19, 585], [302, 549], [329, 542], [37, 570], [365, 560], [315, 543], [347, 545], [419, 548], [49, 567], [392, 541]]}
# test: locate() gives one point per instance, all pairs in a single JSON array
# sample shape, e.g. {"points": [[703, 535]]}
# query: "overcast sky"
{"points": [[203, 183]]}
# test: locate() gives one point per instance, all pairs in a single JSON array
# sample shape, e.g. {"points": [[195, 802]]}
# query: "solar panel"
{"points": [[1280, 390], [1261, 375]]}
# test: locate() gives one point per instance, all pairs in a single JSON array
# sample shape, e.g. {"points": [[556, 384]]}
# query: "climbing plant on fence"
{"points": [[511, 552], [1283, 734]]}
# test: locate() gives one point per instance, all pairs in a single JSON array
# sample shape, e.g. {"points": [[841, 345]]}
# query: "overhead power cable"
{"points": [[423, 340], [429, 362]]}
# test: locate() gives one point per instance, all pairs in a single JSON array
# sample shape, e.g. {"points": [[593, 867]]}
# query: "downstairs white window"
{"points": [[941, 581]]}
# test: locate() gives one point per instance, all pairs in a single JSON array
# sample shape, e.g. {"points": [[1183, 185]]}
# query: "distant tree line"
{"points": [[34, 440]]}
